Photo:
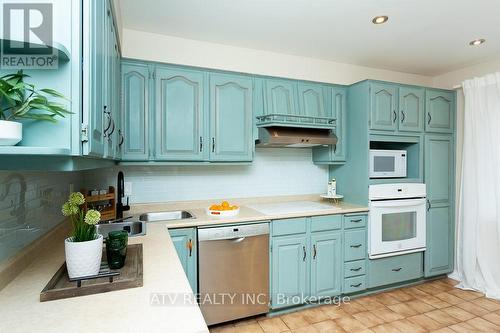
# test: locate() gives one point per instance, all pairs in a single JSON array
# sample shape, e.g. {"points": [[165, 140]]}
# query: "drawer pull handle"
{"points": [[304, 249], [190, 247], [396, 269], [356, 246], [356, 285], [314, 251], [356, 269], [356, 221]]}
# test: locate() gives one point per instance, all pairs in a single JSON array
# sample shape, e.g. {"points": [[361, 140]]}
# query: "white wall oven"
{"points": [[387, 163], [397, 219]]}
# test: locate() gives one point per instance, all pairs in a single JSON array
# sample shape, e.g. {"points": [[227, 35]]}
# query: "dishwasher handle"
{"points": [[236, 239]]}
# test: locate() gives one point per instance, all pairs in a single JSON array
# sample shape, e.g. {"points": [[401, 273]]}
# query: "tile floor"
{"points": [[430, 307]]}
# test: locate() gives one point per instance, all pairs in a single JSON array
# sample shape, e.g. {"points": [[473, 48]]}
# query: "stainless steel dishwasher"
{"points": [[233, 271]]}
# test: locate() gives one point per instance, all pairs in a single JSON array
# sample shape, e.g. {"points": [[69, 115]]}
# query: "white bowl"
{"points": [[11, 132], [223, 213]]}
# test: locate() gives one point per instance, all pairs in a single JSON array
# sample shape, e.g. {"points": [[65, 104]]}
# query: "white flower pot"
{"points": [[11, 132], [83, 258]]}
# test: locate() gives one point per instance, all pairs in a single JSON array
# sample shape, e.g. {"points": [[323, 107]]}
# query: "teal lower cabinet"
{"points": [[290, 270], [326, 263], [306, 259], [185, 244], [355, 251], [395, 269]]}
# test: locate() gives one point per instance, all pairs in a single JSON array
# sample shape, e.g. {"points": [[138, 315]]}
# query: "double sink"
{"points": [[137, 227]]}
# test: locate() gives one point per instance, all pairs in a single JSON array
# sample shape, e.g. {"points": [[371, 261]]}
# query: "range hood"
{"points": [[277, 136]]}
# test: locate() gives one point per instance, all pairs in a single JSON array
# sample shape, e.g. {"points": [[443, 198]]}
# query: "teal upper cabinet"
{"points": [[337, 108], [326, 263], [281, 97], [135, 105], [97, 99], [383, 115], [411, 109], [290, 262], [231, 126], [311, 100], [179, 115], [185, 244], [440, 108], [439, 180]]}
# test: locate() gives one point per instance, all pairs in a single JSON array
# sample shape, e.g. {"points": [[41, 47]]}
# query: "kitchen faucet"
{"points": [[120, 208]]}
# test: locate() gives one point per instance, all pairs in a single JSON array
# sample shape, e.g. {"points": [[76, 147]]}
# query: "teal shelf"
{"points": [[63, 54]]}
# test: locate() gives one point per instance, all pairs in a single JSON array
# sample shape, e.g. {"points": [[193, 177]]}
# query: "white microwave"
{"points": [[387, 163]]}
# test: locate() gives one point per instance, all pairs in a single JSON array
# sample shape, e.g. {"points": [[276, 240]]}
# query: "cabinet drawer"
{"points": [[354, 284], [355, 245], [354, 268], [289, 226], [354, 221], [395, 269], [325, 223]]}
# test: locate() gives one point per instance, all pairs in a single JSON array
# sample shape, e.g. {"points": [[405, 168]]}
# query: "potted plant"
{"points": [[84, 248], [20, 100]]}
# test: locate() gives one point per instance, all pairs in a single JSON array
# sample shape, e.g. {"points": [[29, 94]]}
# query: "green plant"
{"points": [[20, 100], [83, 223]]}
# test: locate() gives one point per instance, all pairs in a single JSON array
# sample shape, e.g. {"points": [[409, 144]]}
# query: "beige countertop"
{"points": [[129, 310]]}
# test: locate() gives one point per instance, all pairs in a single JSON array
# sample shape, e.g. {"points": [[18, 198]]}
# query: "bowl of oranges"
{"points": [[224, 209]]}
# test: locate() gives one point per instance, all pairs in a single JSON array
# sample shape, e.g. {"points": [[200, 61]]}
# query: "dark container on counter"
{"points": [[116, 248]]}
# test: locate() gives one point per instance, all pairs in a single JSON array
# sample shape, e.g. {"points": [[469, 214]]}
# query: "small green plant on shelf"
{"points": [[84, 228], [22, 100]]}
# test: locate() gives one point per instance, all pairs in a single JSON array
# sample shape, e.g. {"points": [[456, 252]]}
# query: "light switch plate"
{"points": [[128, 188]]}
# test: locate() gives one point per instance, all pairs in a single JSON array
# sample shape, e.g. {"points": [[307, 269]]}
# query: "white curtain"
{"points": [[478, 234]]}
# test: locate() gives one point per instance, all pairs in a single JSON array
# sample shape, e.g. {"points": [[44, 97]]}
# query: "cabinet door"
{"points": [[336, 153], [185, 244], [180, 115], [119, 110], [281, 97], [440, 109], [135, 105], [440, 227], [312, 100], [326, 265], [411, 109], [290, 262], [109, 86], [383, 115], [97, 104], [231, 128]]}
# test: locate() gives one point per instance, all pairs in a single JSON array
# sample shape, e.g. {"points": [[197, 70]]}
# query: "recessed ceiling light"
{"points": [[477, 42], [380, 19]]}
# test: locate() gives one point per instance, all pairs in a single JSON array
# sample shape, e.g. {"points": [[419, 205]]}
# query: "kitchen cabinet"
{"points": [[383, 115], [306, 259], [135, 104], [395, 269], [180, 115], [337, 106], [281, 97], [354, 253], [439, 178], [311, 100], [411, 109], [290, 270], [440, 106], [185, 243], [231, 131], [325, 263]]}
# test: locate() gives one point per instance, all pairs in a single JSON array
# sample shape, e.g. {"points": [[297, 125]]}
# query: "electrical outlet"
{"points": [[128, 188]]}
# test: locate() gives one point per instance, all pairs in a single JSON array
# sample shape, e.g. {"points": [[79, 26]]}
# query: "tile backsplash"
{"points": [[274, 171], [30, 206]]}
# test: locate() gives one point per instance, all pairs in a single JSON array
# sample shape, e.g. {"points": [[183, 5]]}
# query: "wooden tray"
{"points": [[60, 286]]}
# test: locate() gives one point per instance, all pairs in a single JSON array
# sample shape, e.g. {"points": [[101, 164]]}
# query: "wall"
{"points": [[162, 48], [30, 206], [285, 171]]}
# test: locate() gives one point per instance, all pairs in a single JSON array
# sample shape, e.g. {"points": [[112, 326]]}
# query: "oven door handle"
{"points": [[398, 203]]}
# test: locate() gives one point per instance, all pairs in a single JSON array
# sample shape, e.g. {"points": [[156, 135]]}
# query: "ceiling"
{"points": [[427, 37]]}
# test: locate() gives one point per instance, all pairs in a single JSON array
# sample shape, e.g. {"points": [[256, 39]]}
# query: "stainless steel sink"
{"points": [[166, 216], [134, 228]]}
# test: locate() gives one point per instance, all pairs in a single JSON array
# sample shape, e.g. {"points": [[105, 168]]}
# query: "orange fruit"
{"points": [[214, 207], [234, 207], [225, 204]]}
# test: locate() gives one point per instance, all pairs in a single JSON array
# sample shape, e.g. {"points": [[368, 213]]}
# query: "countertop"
{"points": [[136, 309]]}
